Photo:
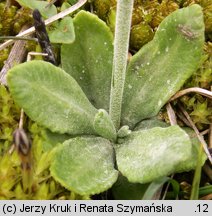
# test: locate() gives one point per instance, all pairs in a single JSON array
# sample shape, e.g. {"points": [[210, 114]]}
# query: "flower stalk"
{"points": [[121, 45]]}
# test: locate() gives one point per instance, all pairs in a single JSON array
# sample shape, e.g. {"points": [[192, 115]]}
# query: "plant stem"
{"points": [[197, 177], [121, 45]]}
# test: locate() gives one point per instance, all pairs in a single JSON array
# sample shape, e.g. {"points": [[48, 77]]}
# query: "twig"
{"points": [[173, 121], [205, 132], [167, 187], [208, 171], [210, 136], [199, 136], [18, 38], [207, 197], [201, 91], [171, 114], [91, 8], [182, 118], [30, 54], [8, 3], [62, 14], [157, 195], [16, 56], [21, 122]]}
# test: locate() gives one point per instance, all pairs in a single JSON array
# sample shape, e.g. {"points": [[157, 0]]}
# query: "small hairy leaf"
{"points": [[51, 97], [63, 32], [123, 131], [89, 58], [162, 66], [85, 165], [103, 125], [147, 155], [40, 5]]}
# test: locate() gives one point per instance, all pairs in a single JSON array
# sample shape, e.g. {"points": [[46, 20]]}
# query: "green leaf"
{"points": [[124, 131], [125, 190], [72, 2], [205, 190], [46, 11], [157, 184], [89, 58], [147, 155], [63, 32], [197, 176], [191, 162], [51, 97], [50, 139], [150, 123], [44, 162], [162, 66], [65, 5], [85, 165], [103, 125]]}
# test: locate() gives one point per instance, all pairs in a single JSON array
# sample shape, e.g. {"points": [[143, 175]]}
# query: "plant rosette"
{"points": [[75, 100]]}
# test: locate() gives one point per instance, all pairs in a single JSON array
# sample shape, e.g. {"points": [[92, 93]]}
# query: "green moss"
{"points": [[148, 15], [23, 16], [9, 116], [140, 35], [198, 106], [6, 18], [102, 7], [11, 174]]}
